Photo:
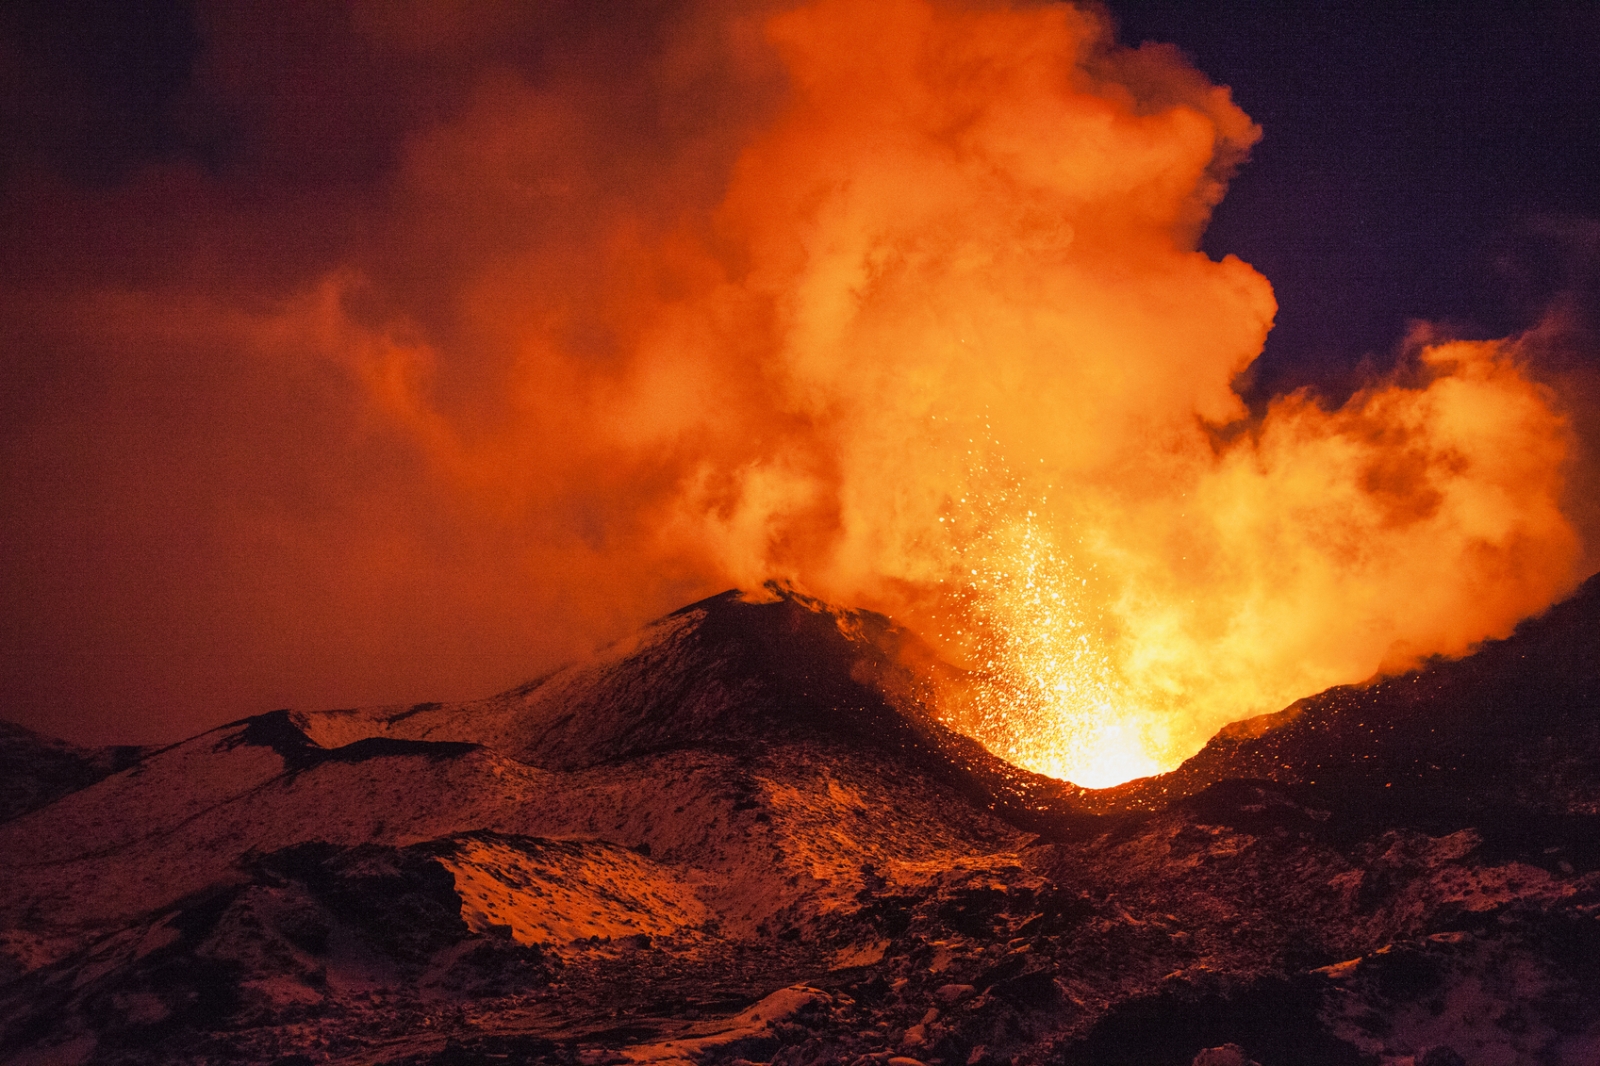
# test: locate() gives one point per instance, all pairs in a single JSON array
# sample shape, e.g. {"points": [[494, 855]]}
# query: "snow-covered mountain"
{"points": [[35, 770], [743, 833]]}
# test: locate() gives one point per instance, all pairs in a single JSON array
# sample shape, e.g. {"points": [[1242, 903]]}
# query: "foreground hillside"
{"points": [[744, 834]]}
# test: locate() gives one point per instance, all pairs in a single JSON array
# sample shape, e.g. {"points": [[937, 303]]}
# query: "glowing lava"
{"points": [[1049, 696], [1111, 629], [629, 331]]}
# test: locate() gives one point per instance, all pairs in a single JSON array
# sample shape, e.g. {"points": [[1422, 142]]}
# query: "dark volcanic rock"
{"points": [[733, 674], [1514, 725], [284, 732], [744, 835], [36, 770]]}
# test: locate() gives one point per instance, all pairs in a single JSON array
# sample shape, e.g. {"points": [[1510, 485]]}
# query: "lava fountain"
{"points": [[975, 229], [939, 339]]}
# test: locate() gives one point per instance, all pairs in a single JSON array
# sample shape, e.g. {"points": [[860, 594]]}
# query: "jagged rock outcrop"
{"points": [[36, 770]]}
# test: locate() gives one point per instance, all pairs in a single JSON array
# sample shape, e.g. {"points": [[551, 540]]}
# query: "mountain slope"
{"points": [[743, 834], [36, 770], [732, 674], [1508, 735], [772, 823]]}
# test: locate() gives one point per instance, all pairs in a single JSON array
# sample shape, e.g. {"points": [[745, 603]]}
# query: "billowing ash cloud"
{"points": [[471, 339]]}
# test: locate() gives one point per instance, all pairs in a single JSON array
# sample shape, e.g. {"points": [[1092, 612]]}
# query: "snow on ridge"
{"points": [[549, 892]]}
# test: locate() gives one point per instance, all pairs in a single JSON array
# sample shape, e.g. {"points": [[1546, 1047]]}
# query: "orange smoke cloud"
{"points": [[975, 232], [900, 300]]}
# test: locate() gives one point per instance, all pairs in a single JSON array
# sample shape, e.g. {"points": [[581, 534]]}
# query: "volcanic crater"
{"points": [[745, 834]]}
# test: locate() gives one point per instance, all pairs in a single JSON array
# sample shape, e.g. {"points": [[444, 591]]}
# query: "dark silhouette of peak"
{"points": [[740, 674], [284, 732], [728, 672], [36, 770]]}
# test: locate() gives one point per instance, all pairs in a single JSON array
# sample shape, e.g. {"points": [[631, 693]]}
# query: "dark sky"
{"points": [[1437, 162], [1419, 161]]}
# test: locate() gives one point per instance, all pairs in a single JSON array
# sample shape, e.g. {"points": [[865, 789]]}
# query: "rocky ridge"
{"points": [[36, 770], [745, 835]]}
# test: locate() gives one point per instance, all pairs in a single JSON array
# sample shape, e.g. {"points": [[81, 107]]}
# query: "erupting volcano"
{"points": [[1088, 700]]}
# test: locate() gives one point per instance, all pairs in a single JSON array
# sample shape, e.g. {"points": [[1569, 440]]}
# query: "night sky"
{"points": [[1418, 162]]}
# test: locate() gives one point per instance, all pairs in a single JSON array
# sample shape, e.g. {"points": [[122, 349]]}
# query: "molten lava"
{"points": [[1422, 514], [945, 346], [975, 229], [1047, 694]]}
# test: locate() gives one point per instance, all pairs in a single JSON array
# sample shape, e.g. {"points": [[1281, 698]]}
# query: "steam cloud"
{"points": [[475, 351]]}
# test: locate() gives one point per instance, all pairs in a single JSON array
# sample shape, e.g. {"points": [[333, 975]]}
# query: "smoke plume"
{"points": [[484, 337]]}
